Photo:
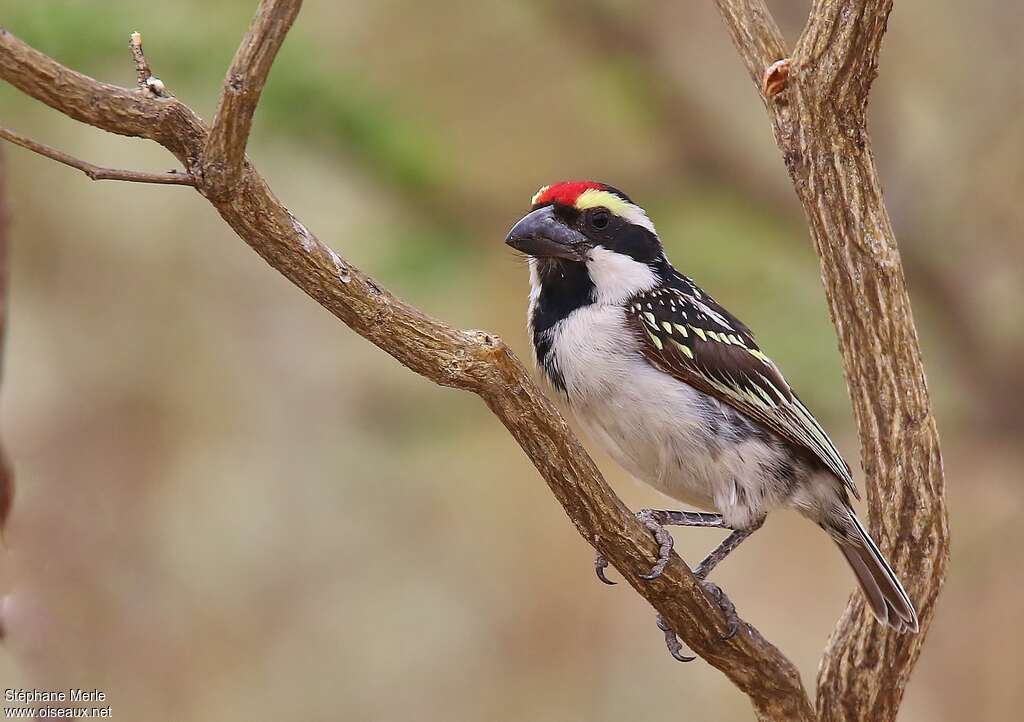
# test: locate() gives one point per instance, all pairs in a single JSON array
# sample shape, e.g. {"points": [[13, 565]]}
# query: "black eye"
{"points": [[599, 218]]}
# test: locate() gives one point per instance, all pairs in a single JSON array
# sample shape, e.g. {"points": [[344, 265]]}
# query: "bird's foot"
{"points": [[675, 647], [732, 619], [653, 519], [600, 564]]}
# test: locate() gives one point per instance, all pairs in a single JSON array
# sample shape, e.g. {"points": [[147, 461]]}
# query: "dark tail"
{"points": [[886, 596]]}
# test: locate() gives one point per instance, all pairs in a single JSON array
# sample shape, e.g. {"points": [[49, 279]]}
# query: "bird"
{"points": [[677, 391]]}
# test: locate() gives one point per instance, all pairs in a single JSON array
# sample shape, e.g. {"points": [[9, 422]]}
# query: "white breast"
{"points": [[664, 432]]}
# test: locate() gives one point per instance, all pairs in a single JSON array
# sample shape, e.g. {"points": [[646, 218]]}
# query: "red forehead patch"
{"points": [[564, 193]]}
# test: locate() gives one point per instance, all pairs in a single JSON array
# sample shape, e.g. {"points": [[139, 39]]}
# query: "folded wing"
{"points": [[690, 336]]}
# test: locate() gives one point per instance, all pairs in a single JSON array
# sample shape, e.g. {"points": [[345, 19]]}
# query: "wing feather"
{"points": [[690, 336]]}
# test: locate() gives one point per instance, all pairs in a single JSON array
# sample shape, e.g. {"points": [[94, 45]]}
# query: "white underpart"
{"points": [[655, 427], [660, 430], [616, 276]]}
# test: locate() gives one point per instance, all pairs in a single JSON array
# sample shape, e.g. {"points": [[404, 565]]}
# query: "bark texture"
{"points": [[819, 120], [866, 292]]}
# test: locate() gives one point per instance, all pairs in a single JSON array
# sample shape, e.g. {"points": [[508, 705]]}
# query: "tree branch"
{"points": [[469, 360], [224, 153], [96, 172], [838, 50], [819, 125]]}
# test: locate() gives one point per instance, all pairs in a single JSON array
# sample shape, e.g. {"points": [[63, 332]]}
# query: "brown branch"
{"points": [[820, 128], [224, 153], [469, 360], [838, 51], [96, 172]]}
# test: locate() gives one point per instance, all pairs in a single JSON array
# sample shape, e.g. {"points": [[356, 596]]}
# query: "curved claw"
{"points": [[728, 610], [600, 564], [675, 647], [677, 655], [650, 519]]}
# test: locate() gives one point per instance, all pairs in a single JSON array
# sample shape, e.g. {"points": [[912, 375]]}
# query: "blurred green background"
{"points": [[230, 507]]}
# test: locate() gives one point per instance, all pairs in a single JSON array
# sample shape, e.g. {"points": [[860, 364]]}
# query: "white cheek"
{"points": [[616, 276]]}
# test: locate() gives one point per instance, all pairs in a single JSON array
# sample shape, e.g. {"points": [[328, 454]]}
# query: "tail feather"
{"points": [[883, 591]]}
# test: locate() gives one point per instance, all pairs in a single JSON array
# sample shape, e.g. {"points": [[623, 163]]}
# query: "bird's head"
{"points": [[591, 230]]}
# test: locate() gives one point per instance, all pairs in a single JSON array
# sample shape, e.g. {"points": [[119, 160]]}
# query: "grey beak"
{"points": [[542, 235]]}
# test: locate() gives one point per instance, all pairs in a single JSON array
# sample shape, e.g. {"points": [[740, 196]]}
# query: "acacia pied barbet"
{"points": [[675, 388]]}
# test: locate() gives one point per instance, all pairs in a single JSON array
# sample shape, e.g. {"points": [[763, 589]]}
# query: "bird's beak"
{"points": [[541, 234]]}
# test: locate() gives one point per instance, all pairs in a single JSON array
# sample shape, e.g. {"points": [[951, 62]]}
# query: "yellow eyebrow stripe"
{"points": [[595, 198], [538, 194]]}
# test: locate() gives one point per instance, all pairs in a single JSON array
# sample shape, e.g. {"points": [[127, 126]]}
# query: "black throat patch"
{"points": [[564, 287]]}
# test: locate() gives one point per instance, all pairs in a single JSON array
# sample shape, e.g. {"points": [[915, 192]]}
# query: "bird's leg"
{"points": [[732, 618], [701, 571], [656, 520], [709, 562], [723, 550]]}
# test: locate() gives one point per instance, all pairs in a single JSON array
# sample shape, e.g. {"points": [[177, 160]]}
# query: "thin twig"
{"points": [[97, 172], [224, 153], [148, 82]]}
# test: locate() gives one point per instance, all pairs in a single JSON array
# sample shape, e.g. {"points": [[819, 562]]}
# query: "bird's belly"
{"points": [[668, 447], [664, 432], [687, 445]]}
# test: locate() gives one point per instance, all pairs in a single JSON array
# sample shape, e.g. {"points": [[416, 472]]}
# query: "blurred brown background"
{"points": [[231, 508]]}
